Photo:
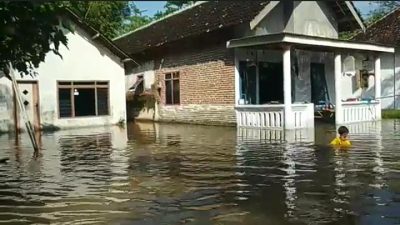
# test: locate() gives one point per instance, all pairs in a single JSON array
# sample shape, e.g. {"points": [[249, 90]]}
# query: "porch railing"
{"points": [[303, 115], [360, 111], [264, 116], [272, 116]]}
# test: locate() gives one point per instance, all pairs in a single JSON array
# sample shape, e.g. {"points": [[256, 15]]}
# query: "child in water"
{"points": [[342, 140]]}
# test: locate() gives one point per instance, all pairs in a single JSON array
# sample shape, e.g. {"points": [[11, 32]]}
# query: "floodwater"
{"points": [[155, 174]]}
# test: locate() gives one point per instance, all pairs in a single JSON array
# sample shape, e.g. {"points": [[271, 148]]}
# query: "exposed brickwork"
{"points": [[199, 114], [206, 76], [206, 79]]}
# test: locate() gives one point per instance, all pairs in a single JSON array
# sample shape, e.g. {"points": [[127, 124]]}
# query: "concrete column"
{"points": [[237, 79], [287, 89], [378, 85], [338, 89]]}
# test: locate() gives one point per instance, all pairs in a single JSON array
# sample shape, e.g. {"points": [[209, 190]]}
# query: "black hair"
{"points": [[343, 130]]}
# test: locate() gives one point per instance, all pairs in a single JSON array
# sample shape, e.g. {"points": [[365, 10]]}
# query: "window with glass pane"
{"points": [[102, 101], [83, 99], [64, 102], [172, 89]]}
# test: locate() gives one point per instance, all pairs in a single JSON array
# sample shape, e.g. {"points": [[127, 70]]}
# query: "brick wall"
{"points": [[207, 86], [206, 76]]}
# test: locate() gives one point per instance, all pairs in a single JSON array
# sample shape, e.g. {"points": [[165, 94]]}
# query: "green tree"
{"points": [[28, 31], [384, 7], [172, 6], [132, 22], [111, 18]]}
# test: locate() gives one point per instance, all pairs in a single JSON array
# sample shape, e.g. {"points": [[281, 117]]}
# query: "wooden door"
{"points": [[29, 91]]}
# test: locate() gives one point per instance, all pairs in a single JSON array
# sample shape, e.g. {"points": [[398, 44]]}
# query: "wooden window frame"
{"points": [[172, 73], [83, 84]]}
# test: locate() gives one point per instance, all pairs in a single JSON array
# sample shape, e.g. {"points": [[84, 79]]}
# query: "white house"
{"points": [[86, 87]]}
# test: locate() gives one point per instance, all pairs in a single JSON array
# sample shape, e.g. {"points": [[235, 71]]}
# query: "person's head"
{"points": [[343, 132]]}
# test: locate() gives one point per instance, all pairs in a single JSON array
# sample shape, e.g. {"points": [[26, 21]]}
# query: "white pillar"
{"points": [[338, 89], [237, 79], [287, 89], [378, 86]]}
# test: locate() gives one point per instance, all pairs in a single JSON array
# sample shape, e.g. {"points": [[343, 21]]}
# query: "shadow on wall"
{"points": [[6, 108]]}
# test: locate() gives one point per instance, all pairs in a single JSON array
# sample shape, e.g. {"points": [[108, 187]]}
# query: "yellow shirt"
{"points": [[339, 143]]}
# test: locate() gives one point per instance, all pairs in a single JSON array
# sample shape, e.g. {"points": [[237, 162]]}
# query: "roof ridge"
{"points": [[161, 19]]}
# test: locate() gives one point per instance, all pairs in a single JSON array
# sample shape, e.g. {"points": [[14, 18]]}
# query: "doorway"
{"points": [[248, 82], [29, 91], [271, 82], [319, 87]]}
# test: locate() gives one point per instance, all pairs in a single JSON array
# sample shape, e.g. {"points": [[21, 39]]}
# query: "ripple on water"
{"points": [[181, 174]]}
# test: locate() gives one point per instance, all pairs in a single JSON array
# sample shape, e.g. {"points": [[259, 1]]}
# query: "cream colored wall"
{"points": [[83, 60], [312, 18], [390, 84], [146, 70]]}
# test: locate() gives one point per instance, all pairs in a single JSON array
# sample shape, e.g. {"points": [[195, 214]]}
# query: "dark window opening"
{"points": [[75, 101], [319, 87], [172, 89], [64, 100], [248, 82], [102, 101], [85, 104], [271, 82]]}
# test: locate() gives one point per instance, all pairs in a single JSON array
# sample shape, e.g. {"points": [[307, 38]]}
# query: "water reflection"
{"points": [[182, 174]]}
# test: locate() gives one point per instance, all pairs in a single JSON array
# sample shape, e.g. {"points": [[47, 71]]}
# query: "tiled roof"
{"points": [[384, 31], [207, 17]]}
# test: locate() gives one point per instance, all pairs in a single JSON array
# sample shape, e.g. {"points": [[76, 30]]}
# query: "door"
{"points": [[319, 88], [248, 83], [271, 82], [29, 91]]}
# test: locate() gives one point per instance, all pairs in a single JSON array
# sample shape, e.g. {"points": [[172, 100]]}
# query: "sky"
{"points": [[149, 8]]}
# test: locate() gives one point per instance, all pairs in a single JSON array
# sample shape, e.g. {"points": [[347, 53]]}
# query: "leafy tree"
{"points": [[384, 7], [172, 6], [27, 30], [111, 18], [135, 20]]}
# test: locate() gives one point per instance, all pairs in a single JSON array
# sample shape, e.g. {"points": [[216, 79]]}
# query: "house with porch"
{"points": [[387, 31], [266, 64], [83, 88]]}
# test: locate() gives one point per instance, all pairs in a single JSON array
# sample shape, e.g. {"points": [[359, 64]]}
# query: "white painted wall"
{"points": [[390, 80], [314, 18], [308, 18], [146, 70], [84, 59]]}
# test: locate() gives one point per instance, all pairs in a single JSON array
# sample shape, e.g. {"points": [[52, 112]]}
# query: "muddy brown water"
{"points": [[154, 174]]}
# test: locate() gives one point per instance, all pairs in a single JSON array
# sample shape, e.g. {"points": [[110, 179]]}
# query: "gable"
{"points": [[314, 18]]}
